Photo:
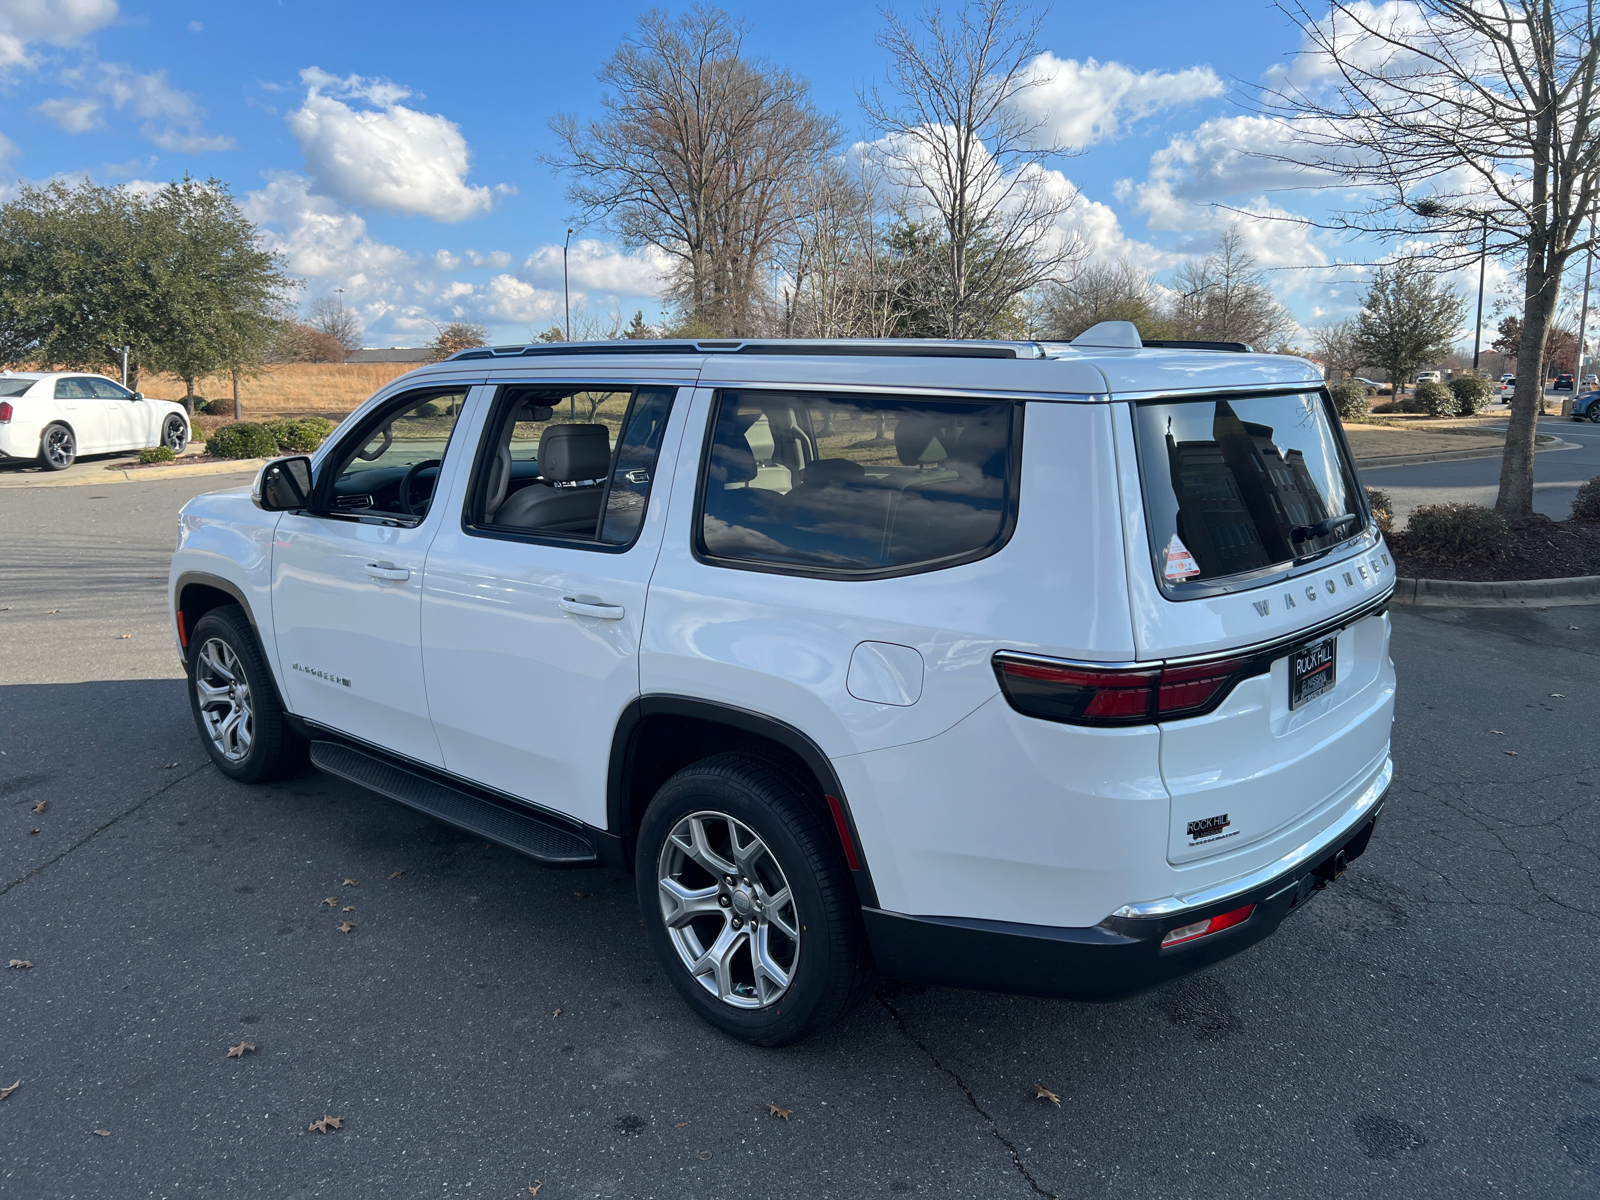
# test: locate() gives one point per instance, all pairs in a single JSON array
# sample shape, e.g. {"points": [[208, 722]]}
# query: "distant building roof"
{"points": [[393, 355]]}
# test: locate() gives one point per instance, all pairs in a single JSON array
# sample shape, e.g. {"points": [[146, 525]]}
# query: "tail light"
{"points": [[1200, 929], [5, 412], [1085, 694]]}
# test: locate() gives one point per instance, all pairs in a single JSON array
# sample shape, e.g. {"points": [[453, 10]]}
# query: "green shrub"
{"points": [[1435, 399], [1472, 394], [1351, 401], [242, 440], [304, 435], [157, 454], [214, 408], [1586, 504], [1382, 508], [1459, 533]]}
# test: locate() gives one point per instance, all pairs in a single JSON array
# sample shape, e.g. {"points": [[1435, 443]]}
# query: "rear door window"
{"points": [[1243, 486], [856, 485]]}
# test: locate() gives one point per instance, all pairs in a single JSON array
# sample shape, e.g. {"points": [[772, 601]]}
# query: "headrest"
{"points": [[528, 410], [569, 453], [917, 439], [831, 472], [731, 464]]}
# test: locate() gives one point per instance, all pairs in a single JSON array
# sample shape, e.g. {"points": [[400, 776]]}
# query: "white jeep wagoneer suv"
{"points": [[1056, 669]]}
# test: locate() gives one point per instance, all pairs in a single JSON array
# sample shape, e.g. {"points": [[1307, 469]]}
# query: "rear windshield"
{"points": [[15, 387], [1242, 486]]}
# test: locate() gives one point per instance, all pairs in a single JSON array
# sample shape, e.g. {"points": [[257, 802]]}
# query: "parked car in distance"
{"points": [[1507, 387], [1563, 382], [53, 417], [1591, 381], [1586, 407], [1372, 385], [1428, 377], [845, 668]]}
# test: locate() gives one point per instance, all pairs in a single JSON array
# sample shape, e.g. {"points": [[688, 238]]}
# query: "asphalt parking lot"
{"points": [[1424, 1029]]}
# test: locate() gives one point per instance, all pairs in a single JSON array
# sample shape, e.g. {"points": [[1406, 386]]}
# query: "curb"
{"points": [[1510, 593], [1411, 460], [138, 475]]}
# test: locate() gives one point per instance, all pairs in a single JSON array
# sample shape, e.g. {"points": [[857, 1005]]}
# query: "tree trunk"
{"points": [[1516, 467], [238, 411], [188, 394]]}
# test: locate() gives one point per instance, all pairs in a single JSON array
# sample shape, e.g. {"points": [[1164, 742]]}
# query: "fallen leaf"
{"points": [[1496, 731], [122, 637], [41, 806], [583, 895], [53, 611], [681, 1125], [103, 1132], [238, 1051], [326, 1124], [1043, 1093], [557, 1013], [705, 1156], [31, 832], [533, 1188], [1557, 696], [346, 926], [1513, 753], [20, 963], [5, 1093], [169, 766], [331, 901], [351, 883], [774, 1111], [397, 875], [348, 908]]}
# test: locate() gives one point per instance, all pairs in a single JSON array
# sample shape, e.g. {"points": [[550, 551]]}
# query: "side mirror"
{"points": [[283, 485], [138, 395]]}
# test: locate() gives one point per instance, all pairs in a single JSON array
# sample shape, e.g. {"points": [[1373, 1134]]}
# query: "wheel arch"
{"points": [[196, 593], [659, 735], [58, 419]]}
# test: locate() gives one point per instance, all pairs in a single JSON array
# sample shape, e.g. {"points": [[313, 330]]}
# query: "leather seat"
{"points": [[573, 463]]}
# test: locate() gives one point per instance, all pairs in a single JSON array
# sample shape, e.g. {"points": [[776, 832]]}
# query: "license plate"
{"points": [[1311, 671]]}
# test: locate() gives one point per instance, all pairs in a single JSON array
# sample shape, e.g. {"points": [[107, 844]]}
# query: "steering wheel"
{"points": [[405, 487], [388, 440]]}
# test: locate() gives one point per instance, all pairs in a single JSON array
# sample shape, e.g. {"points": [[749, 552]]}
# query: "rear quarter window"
{"points": [[856, 486], [1243, 486]]}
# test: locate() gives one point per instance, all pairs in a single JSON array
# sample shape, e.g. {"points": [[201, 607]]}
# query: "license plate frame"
{"points": [[1313, 670]]}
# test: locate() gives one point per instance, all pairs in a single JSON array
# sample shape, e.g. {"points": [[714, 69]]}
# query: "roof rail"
{"points": [[1170, 344], [851, 347]]}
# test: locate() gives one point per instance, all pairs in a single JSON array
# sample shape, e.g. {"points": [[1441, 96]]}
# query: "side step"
{"points": [[533, 836]]}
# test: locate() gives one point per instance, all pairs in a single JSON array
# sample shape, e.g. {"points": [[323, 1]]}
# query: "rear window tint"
{"points": [[856, 485], [15, 387], [1240, 486]]}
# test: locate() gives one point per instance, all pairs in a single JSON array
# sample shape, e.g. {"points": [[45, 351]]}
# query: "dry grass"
{"points": [[293, 389]]}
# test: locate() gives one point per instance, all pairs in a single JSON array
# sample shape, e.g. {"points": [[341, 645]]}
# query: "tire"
{"points": [[241, 723], [1594, 412], [827, 965], [58, 448], [175, 433]]}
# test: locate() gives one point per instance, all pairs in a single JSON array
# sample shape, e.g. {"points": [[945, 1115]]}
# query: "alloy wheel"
{"points": [[58, 447], [226, 706], [173, 436], [728, 909]]}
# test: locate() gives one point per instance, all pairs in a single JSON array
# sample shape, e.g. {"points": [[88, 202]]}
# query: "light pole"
{"points": [[566, 295], [1583, 321], [1483, 261], [124, 366]]}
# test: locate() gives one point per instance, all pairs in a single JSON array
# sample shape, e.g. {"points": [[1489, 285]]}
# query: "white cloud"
{"points": [[387, 156], [510, 299], [318, 238], [196, 26], [173, 120], [1088, 102], [72, 115], [600, 267], [58, 22]]}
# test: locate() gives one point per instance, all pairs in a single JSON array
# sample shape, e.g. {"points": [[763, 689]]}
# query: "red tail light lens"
{"points": [[1200, 929], [5, 411], [1083, 694]]}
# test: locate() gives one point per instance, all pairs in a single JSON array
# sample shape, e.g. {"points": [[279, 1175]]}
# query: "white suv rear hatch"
{"points": [[1248, 536]]}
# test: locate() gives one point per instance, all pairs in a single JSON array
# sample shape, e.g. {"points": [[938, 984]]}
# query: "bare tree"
{"points": [[1465, 125], [697, 153], [1334, 343], [330, 316], [1116, 291], [954, 136], [1224, 297]]}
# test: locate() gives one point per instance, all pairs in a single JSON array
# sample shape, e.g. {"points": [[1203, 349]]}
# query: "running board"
{"points": [[538, 838]]}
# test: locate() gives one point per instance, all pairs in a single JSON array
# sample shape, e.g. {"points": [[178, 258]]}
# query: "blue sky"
{"points": [[392, 150]]}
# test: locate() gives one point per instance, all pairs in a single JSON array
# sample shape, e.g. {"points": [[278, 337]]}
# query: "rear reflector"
{"points": [[843, 826], [183, 633], [1084, 694], [1200, 929]]}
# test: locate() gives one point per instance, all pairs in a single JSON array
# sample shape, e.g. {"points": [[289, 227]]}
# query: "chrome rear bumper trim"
{"points": [[1358, 812]]}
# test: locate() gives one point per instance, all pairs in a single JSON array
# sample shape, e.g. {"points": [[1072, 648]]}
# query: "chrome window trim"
{"points": [[1363, 808]]}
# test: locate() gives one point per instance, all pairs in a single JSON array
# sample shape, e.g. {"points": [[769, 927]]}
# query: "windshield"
{"points": [[1242, 486]]}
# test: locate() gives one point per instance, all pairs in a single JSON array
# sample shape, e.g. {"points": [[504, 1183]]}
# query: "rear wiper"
{"points": [[1304, 533]]}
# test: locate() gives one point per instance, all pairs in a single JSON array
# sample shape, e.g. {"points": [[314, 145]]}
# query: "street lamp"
{"points": [[566, 295], [1583, 321], [1483, 262]]}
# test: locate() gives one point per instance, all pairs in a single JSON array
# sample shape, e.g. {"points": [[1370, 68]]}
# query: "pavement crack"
{"points": [[994, 1128], [94, 833]]}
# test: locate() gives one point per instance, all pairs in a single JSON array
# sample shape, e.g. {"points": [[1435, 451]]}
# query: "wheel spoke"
{"points": [[771, 978], [210, 693], [704, 854], [779, 917], [716, 962], [688, 903], [745, 857]]}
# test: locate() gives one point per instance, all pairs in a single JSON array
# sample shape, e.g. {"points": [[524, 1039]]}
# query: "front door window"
{"points": [[393, 466]]}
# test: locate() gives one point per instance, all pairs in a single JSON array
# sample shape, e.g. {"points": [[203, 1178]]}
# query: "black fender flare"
{"points": [[228, 588], [792, 739]]}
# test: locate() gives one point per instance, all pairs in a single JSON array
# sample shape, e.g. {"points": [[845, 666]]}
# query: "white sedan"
{"points": [[52, 417]]}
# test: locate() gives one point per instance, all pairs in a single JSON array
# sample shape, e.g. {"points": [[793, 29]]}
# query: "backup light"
{"points": [[1200, 929]]}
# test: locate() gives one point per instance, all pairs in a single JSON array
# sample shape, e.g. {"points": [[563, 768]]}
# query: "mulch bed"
{"points": [[188, 460], [1546, 549]]}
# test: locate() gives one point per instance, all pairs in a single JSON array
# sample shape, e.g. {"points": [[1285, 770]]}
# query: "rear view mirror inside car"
{"points": [[284, 484]]}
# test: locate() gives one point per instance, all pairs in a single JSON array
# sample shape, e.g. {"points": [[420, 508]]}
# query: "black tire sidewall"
{"points": [[44, 453], [830, 941], [270, 744], [167, 424]]}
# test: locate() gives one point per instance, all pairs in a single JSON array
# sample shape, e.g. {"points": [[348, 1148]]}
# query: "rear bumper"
{"points": [[1118, 957]]}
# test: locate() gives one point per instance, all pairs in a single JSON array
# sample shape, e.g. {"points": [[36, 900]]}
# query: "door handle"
{"points": [[606, 612], [388, 571]]}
